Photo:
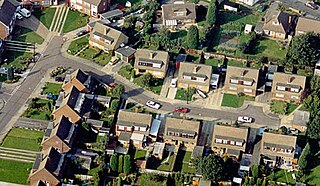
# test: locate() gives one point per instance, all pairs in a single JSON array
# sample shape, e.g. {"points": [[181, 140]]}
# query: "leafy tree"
{"points": [[127, 168], [304, 50], [259, 182], [304, 158], [313, 127], [114, 163], [193, 37], [119, 181], [212, 13], [252, 181], [264, 182], [211, 167], [246, 181], [114, 104], [146, 79], [117, 91], [120, 164], [255, 171]]}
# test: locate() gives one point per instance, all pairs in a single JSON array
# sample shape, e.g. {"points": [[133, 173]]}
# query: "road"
{"points": [[53, 57], [300, 5]]}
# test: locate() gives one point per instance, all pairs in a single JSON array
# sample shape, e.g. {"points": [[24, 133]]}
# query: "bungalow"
{"points": [[241, 80], [47, 168], [80, 80], [125, 54], [59, 135], [181, 132], [230, 140], [106, 38], [194, 75], [178, 14], [8, 9], [278, 150], [90, 7], [150, 61], [288, 87], [305, 25], [133, 122]]}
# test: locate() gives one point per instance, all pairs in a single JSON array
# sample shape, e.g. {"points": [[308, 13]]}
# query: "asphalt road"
{"points": [[52, 57], [300, 5]]}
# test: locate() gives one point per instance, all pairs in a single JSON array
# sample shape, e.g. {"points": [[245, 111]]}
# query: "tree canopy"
{"points": [[212, 13], [117, 91], [211, 167], [304, 158], [114, 163], [193, 37], [127, 165], [120, 164], [304, 50]]}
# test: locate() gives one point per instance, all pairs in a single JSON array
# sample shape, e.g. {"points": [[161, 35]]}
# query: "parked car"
{"points": [[81, 33], [201, 94], [262, 8], [25, 13], [181, 109], [153, 104], [36, 57], [173, 83], [18, 71], [245, 119], [312, 5], [19, 16], [114, 60]]}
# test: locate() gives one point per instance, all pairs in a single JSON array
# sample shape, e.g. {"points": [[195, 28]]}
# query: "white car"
{"points": [[19, 16], [173, 83], [153, 104], [245, 119]]}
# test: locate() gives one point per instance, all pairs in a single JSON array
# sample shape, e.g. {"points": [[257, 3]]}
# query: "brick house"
{"points": [[90, 7], [83, 82], [8, 9], [288, 87], [241, 80], [305, 25], [133, 122], [125, 54]]}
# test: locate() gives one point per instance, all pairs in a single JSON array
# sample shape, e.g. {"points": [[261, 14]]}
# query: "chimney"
{"points": [[290, 80], [289, 20], [151, 55], [195, 69]]}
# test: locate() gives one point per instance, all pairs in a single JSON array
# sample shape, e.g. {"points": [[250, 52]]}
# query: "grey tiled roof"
{"points": [[7, 11]]}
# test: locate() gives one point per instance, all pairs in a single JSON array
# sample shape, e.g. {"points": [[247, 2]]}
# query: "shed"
{"points": [[230, 6], [248, 28]]}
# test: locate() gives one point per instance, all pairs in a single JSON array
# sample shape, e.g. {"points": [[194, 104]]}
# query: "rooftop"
{"points": [[196, 70], [182, 124], [179, 11], [129, 118]]}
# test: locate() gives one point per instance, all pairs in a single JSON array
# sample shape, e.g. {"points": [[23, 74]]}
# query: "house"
{"points": [[269, 76], [230, 140], [124, 139], [181, 132], [231, 6], [241, 80], [96, 124], [106, 38], [305, 25], [248, 29], [278, 150], [288, 87], [125, 54], [59, 134], [8, 9], [158, 150], [80, 80], [151, 61], [138, 140], [90, 7], [67, 105], [300, 120], [276, 23], [47, 168], [133, 122], [249, 2], [178, 14], [194, 75]]}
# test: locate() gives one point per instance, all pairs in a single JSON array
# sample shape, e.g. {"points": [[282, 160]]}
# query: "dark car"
{"points": [[181, 109], [18, 71], [81, 33], [59, 79]]}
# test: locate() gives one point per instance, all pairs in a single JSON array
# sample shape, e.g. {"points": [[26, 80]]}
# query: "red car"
{"points": [[181, 109]]}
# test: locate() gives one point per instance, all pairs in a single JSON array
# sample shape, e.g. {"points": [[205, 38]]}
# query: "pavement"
{"points": [[34, 24]]}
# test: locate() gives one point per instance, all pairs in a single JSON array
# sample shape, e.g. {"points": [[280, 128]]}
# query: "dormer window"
{"points": [[275, 23]]}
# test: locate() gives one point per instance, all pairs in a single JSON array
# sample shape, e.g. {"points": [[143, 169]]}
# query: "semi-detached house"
{"points": [[90, 7], [8, 9]]}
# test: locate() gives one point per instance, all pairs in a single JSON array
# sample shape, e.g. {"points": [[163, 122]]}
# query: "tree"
{"points": [[313, 127], [120, 164], [114, 104], [304, 158], [304, 50], [127, 165], [119, 181], [146, 79], [211, 167], [259, 182], [212, 13], [264, 182], [10, 74], [255, 171], [117, 91], [114, 163], [193, 37]]}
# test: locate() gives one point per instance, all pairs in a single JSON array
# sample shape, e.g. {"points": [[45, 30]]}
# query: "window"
{"points": [[177, 134], [190, 135], [170, 133], [232, 142], [225, 141], [295, 90], [187, 77], [249, 83], [247, 90], [232, 88], [281, 88], [120, 127], [143, 129], [200, 86], [279, 95], [294, 97], [136, 128], [218, 140], [187, 20], [201, 79], [238, 143], [129, 128], [96, 37], [234, 81], [184, 135]]}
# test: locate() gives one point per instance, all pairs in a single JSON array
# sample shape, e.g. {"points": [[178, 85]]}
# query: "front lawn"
{"points": [[74, 21], [235, 101], [183, 94], [270, 48], [78, 44], [40, 109], [14, 171], [53, 88], [27, 35], [155, 85], [18, 60], [168, 166], [96, 55], [45, 16], [282, 107], [140, 154], [26, 139], [284, 176], [314, 176], [125, 71]]}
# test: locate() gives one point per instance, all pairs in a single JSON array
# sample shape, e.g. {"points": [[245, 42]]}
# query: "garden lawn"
{"points": [[238, 19], [78, 44], [281, 107], [290, 108], [14, 171], [314, 176], [235, 101], [40, 109], [235, 63], [169, 165], [125, 71], [95, 55], [26, 139], [182, 94], [284, 176], [53, 88], [17, 60], [74, 21], [187, 169], [45, 16], [155, 87], [140, 154], [187, 157], [29, 36], [270, 48]]}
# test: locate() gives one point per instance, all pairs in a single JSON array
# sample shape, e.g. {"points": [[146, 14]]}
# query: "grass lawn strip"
{"points": [[78, 44], [125, 71], [140, 154], [53, 88], [28, 36], [40, 109], [16, 59], [14, 171], [45, 16], [74, 21], [285, 177], [314, 176], [168, 166], [231, 100]]}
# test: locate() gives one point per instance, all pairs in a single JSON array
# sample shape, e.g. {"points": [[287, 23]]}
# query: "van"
{"points": [[25, 13]]}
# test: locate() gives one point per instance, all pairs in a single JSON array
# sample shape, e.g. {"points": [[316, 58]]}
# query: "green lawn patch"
{"points": [[235, 63], [96, 55], [53, 88], [29, 36], [187, 169], [168, 166], [235, 101], [155, 86], [78, 44], [74, 21], [125, 71], [26, 139], [282, 107], [270, 48], [284, 176], [140, 154], [239, 19], [40, 109], [152, 180], [45, 16], [14, 171], [18, 60], [187, 157], [314, 176], [183, 94]]}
